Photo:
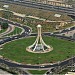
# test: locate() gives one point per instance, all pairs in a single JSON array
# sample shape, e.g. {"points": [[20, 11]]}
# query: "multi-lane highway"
{"points": [[67, 10]]}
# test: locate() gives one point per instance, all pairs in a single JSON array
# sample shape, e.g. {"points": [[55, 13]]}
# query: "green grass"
{"points": [[16, 31], [65, 71], [3, 30], [46, 27], [37, 71], [16, 50]]}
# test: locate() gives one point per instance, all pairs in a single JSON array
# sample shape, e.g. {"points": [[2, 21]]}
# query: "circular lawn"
{"points": [[16, 51]]}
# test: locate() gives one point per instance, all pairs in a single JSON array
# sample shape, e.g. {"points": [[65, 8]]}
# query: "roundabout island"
{"points": [[14, 50], [14, 53], [39, 46], [51, 51]]}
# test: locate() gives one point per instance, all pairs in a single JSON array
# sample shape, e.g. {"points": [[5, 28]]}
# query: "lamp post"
{"points": [[39, 62], [3, 56], [58, 66], [16, 31]]}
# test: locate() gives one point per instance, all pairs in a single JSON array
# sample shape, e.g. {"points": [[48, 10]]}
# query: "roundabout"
{"points": [[14, 54], [52, 50], [16, 51], [57, 51], [19, 53]]}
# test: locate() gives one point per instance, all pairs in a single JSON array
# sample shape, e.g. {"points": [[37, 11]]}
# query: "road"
{"points": [[67, 10], [26, 33], [2, 72], [9, 30]]}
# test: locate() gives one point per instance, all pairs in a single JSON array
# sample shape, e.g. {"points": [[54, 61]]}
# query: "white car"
{"points": [[42, 66]]}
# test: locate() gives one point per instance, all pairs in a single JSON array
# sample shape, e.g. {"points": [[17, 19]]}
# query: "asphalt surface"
{"points": [[2, 72], [9, 30], [68, 10], [26, 33]]}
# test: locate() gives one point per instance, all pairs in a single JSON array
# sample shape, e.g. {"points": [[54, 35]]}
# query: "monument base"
{"points": [[39, 51], [39, 46]]}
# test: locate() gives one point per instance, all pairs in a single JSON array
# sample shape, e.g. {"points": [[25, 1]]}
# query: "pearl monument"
{"points": [[39, 46]]}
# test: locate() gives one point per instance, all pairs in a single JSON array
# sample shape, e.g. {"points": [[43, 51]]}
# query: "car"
{"points": [[1, 42], [72, 70], [42, 66], [29, 30], [68, 28], [16, 37], [51, 33], [7, 38], [48, 73]]}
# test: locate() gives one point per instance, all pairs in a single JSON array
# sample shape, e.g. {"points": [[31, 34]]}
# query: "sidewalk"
{"points": [[9, 30], [2, 72]]}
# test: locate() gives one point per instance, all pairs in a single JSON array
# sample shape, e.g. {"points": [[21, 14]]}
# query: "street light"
{"points": [[58, 65], [16, 31], [39, 63], [3, 56]]}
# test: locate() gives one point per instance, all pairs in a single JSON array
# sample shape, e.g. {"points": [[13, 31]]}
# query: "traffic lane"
{"points": [[7, 39], [27, 29], [16, 24], [7, 31], [28, 66], [11, 64], [40, 6]]}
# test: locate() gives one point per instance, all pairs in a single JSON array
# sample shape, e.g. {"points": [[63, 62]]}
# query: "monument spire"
{"points": [[39, 45]]}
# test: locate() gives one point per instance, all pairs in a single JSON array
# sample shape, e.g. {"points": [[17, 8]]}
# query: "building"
{"points": [[51, 0]]}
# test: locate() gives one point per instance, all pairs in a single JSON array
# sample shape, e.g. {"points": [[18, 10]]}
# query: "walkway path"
{"points": [[2, 72], [9, 30], [29, 16], [70, 33]]}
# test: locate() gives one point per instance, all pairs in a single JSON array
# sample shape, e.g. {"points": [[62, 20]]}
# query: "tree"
{"points": [[7, 14], [0, 23], [4, 25]]}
